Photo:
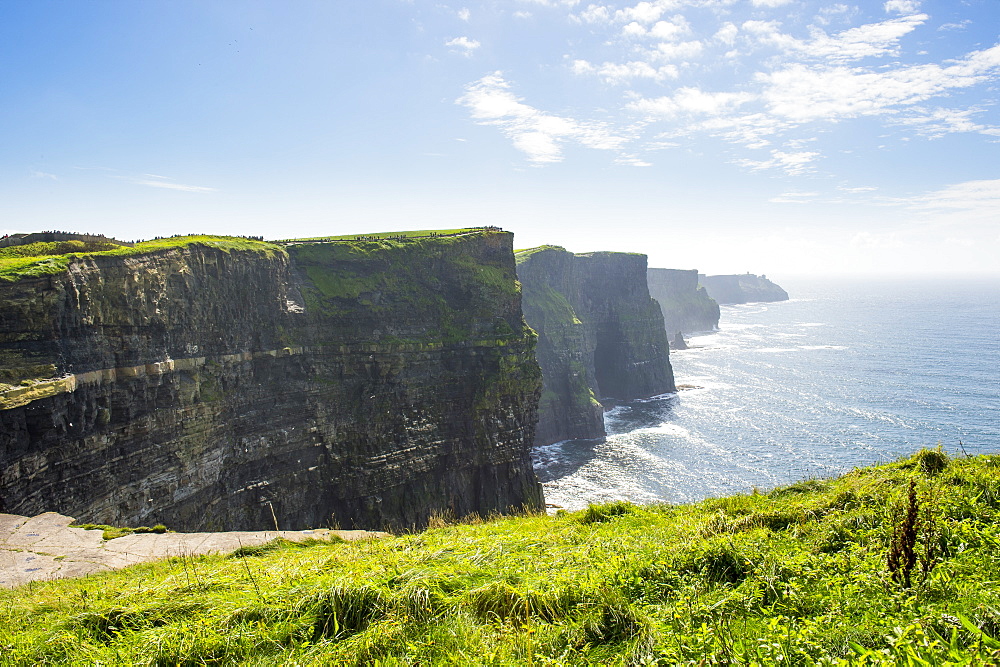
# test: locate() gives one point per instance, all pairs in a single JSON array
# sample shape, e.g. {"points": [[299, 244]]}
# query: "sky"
{"points": [[769, 136]]}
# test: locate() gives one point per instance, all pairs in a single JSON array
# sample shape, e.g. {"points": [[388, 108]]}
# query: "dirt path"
{"points": [[46, 547]]}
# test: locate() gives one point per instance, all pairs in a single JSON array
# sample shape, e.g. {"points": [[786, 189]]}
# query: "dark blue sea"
{"points": [[847, 373]]}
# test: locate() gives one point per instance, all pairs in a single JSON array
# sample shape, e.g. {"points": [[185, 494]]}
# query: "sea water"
{"points": [[847, 373]]}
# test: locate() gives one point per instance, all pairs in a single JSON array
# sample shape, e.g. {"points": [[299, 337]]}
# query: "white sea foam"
{"points": [[765, 418]]}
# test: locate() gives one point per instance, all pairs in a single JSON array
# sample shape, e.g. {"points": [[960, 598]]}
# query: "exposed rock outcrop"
{"points": [[686, 306], [600, 336], [743, 288], [364, 384]]}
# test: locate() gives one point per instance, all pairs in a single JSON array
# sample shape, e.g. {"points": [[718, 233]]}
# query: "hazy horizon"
{"points": [[778, 137]]}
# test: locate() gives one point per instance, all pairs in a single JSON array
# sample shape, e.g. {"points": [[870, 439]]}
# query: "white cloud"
{"points": [[677, 51], [643, 12], [866, 41], [464, 13], [617, 73], [976, 199], [961, 25], [464, 44], [770, 3], [794, 198], [595, 14], [537, 134], [791, 163], [675, 27], [42, 174], [727, 34], [155, 181], [553, 3], [632, 161], [690, 100], [901, 6], [936, 123], [801, 93]]}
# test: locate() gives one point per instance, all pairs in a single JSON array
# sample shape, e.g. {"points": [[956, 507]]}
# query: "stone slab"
{"points": [[46, 547]]}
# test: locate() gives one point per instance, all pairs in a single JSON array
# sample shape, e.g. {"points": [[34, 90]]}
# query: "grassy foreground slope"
{"points": [[897, 564]]}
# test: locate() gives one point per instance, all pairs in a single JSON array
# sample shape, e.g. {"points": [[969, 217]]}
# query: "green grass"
{"points": [[112, 532], [525, 253], [798, 576], [411, 234], [16, 264]]}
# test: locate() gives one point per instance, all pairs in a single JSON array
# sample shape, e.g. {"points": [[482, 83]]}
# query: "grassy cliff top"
{"points": [[378, 236], [46, 258], [897, 564], [525, 253]]}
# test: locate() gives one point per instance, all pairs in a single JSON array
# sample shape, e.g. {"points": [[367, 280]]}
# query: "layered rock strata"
{"points": [[686, 306], [742, 288], [362, 384], [600, 336]]}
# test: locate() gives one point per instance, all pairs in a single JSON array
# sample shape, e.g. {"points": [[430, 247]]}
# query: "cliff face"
{"points": [[368, 384], [686, 306], [743, 288], [600, 336]]}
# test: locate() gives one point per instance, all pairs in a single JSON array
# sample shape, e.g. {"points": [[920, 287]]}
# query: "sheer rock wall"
{"points": [[364, 384], [600, 336]]}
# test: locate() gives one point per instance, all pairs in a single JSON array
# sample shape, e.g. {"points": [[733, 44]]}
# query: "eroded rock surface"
{"points": [[361, 384]]}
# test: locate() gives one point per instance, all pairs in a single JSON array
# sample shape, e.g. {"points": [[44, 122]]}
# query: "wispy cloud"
{"points": [[537, 134], [972, 199], [154, 181], [42, 174], [790, 162], [792, 78], [617, 73]]}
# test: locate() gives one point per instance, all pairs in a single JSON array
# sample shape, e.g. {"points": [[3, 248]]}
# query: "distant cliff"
{"points": [[600, 336], [686, 306], [229, 384], [743, 288]]}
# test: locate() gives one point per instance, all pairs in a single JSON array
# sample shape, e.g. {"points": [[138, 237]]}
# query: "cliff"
{"points": [[743, 288], [686, 306], [600, 336], [231, 384]]}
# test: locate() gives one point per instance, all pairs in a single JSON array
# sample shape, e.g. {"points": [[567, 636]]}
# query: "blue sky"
{"points": [[772, 136]]}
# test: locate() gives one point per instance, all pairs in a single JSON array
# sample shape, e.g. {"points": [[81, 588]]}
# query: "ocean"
{"points": [[847, 373]]}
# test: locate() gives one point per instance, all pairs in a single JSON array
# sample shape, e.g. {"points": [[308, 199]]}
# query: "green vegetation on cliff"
{"points": [[49, 258], [421, 287], [897, 564]]}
